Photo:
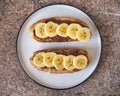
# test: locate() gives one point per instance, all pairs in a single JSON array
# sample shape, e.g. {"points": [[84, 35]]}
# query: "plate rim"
{"points": [[18, 59]]}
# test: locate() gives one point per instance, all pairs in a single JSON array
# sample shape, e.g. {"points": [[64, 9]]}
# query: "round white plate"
{"points": [[26, 46]]}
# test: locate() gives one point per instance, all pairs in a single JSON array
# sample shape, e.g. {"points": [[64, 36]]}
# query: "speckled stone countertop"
{"points": [[105, 81]]}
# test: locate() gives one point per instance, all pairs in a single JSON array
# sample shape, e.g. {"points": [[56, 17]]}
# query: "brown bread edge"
{"points": [[58, 20], [66, 52]]}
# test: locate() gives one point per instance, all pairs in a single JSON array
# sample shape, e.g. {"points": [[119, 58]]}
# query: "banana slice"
{"points": [[72, 30], [83, 34], [68, 62], [48, 58], [50, 29], [80, 62], [62, 29], [38, 60], [39, 30], [58, 62]]}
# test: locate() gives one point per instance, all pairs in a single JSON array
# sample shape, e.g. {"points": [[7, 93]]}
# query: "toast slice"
{"points": [[66, 52], [57, 20]]}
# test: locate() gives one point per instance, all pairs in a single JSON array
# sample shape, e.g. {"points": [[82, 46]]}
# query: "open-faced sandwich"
{"points": [[60, 29], [60, 60]]}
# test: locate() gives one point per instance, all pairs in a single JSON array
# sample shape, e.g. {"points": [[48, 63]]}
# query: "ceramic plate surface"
{"points": [[26, 46]]}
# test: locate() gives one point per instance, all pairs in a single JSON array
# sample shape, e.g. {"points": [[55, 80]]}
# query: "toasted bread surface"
{"points": [[66, 52], [57, 20]]}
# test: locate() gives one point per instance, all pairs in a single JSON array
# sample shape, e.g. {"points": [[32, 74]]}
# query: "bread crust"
{"points": [[66, 52], [57, 20]]}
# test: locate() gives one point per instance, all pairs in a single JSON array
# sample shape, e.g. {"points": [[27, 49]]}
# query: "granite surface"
{"points": [[105, 81]]}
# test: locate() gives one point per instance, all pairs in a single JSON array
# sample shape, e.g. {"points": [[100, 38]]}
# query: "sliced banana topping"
{"points": [[48, 58], [58, 62], [72, 30], [68, 62], [62, 29], [50, 29], [80, 62], [39, 30], [83, 34], [38, 60]]}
